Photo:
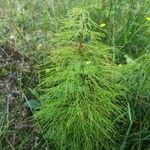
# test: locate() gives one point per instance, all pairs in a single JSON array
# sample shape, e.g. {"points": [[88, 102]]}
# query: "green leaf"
{"points": [[33, 104]]}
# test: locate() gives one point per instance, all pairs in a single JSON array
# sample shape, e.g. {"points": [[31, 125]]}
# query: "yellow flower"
{"points": [[120, 65], [88, 62], [148, 18], [47, 70], [102, 25], [39, 46]]}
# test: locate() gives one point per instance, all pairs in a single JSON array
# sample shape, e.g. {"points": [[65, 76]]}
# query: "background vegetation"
{"points": [[74, 74]]}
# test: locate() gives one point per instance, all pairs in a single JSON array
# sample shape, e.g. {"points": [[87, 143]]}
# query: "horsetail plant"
{"points": [[78, 92], [136, 76]]}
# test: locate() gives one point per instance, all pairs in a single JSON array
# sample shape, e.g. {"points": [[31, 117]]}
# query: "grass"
{"points": [[45, 35]]}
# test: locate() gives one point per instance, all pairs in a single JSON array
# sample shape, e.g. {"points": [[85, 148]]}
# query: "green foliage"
{"points": [[78, 73], [136, 76], [137, 80], [126, 26], [79, 93]]}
